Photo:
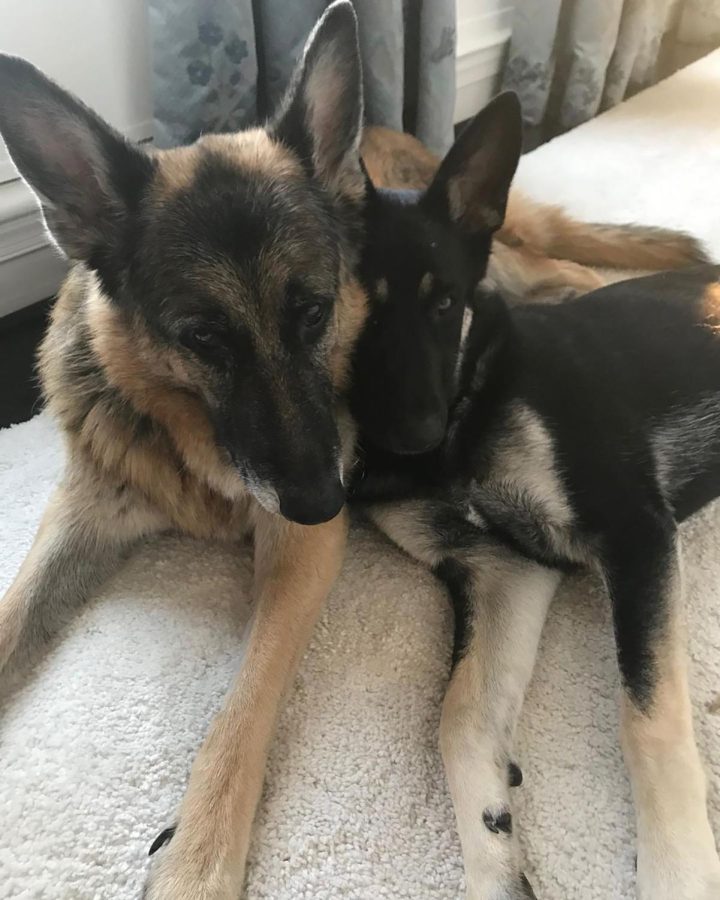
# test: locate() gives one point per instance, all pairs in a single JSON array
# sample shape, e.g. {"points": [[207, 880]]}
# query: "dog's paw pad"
{"points": [[497, 820], [515, 775], [162, 839]]}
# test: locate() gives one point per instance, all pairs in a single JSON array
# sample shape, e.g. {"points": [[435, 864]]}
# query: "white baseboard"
{"points": [[31, 269], [29, 278]]}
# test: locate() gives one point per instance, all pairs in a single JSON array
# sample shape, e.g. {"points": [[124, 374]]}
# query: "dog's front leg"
{"points": [[677, 858], [88, 523], [500, 601], [295, 569]]}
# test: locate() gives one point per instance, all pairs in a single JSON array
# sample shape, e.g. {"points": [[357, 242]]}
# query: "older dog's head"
{"points": [[424, 256], [225, 267]]}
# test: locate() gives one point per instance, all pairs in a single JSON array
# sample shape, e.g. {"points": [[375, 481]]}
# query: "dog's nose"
{"points": [[316, 504]]}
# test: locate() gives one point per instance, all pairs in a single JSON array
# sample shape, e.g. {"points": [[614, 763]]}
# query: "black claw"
{"points": [[527, 888], [497, 822], [162, 839], [515, 775]]}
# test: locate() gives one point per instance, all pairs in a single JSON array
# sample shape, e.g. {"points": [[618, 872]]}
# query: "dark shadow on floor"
{"points": [[20, 335]]}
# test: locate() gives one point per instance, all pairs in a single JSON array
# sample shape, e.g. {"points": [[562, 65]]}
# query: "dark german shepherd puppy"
{"points": [[196, 362], [546, 438]]}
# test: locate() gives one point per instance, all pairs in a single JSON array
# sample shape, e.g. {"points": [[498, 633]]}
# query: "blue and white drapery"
{"points": [[221, 65], [570, 59]]}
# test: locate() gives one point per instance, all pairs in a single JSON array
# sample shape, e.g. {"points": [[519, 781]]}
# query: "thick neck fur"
{"points": [[489, 336]]}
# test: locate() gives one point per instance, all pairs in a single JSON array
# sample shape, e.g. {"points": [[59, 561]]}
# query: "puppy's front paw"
{"points": [[521, 890], [517, 888], [182, 871], [165, 835]]}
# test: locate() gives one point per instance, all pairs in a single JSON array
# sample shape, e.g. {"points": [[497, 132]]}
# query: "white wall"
{"points": [[96, 48], [483, 31], [99, 50]]}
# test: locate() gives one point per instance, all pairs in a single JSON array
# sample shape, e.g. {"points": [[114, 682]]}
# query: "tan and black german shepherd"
{"points": [[196, 361]]}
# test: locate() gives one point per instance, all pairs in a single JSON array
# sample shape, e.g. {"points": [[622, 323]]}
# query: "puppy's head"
{"points": [[423, 258], [225, 266]]}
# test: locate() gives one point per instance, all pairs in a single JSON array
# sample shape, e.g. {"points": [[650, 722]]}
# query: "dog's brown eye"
{"points": [[314, 314], [444, 304], [201, 340]]}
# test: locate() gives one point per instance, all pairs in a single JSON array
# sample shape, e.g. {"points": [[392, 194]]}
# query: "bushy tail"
{"points": [[398, 160], [549, 230], [394, 159]]}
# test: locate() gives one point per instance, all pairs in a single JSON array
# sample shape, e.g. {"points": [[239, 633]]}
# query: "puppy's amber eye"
{"points": [[206, 338], [444, 304], [313, 318]]}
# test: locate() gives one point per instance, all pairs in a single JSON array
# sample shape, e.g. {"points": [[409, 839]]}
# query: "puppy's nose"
{"points": [[418, 434]]}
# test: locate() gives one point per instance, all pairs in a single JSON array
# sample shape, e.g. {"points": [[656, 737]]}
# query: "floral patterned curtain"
{"points": [[221, 65], [570, 59]]}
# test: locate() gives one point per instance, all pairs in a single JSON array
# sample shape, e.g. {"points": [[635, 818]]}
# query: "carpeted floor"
{"points": [[95, 747]]}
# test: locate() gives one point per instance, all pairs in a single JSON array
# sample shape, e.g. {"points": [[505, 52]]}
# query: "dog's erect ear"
{"points": [[321, 116], [86, 176], [472, 184]]}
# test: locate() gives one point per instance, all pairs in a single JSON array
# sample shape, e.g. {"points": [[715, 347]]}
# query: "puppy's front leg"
{"points": [[295, 569], [677, 858], [501, 601]]}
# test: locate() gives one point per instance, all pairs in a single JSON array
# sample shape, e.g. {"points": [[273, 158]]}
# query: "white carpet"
{"points": [[95, 749]]}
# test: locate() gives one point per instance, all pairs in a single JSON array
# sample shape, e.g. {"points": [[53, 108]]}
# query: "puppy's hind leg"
{"points": [[677, 858], [501, 601], [86, 526]]}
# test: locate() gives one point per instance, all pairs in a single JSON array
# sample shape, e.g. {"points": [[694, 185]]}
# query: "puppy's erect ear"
{"points": [[87, 177], [472, 184], [321, 116]]}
